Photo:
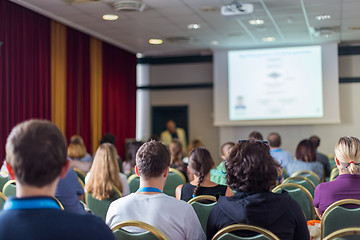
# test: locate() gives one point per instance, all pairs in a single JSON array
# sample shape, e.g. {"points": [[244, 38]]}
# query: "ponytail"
{"points": [[196, 189], [353, 168]]}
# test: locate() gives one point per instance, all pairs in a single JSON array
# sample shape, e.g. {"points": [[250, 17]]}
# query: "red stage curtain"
{"points": [[78, 86], [24, 68], [119, 94]]}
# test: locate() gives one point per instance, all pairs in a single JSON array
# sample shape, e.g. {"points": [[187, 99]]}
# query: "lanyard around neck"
{"points": [[149, 189], [36, 203]]}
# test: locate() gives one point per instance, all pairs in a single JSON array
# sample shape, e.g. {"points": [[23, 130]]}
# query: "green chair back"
{"points": [[100, 207], [9, 189], [134, 183], [174, 179], [4, 177], [151, 233], [310, 175], [217, 176], [334, 173], [225, 233], [81, 175], [303, 181], [203, 209], [284, 173], [337, 217], [301, 196], [2, 200]]}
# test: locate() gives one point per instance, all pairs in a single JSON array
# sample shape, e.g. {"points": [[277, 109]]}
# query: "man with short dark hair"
{"points": [[173, 132], [281, 156], [174, 218], [36, 159], [255, 135], [322, 158]]}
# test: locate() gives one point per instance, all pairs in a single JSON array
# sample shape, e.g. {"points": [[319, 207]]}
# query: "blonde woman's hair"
{"points": [[104, 173], [348, 150], [175, 149], [76, 148]]}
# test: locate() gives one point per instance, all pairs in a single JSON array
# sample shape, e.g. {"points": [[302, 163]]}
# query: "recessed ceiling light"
{"points": [[268, 39], [214, 42], [110, 17], [194, 26], [139, 55], [323, 17], [256, 22], [155, 41]]}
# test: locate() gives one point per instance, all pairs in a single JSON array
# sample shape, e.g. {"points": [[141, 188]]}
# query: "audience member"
{"points": [[36, 159], [195, 143], [252, 172], [78, 155], [200, 164], [173, 132], [69, 192], [176, 154], [255, 136], [105, 174], [305, 159], [217, 175], [110, 138], [176, 219], [281, 156], [346, 185], [323, 159]]}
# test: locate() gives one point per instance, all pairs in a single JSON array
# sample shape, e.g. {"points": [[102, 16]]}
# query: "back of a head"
{"points": [[152, 159], [175, 149], [305, 151], [200, 161], [348, 150], [255, 136], [36, 150], [250, 167], [104, 172], [274, 140], [226, 147], [76, 148], [315, 140], [108, 138], [195, 143]]}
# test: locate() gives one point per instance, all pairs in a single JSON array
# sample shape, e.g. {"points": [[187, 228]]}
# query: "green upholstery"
{"points": [[100, 207], [3, 179], [344, 234], [334, 173], [121, 234], [173, 180], [306, 183], [261, 233], [2, 200], [9, 189], [150, 233], [310, 175], [134, 183], [301, 196], [217, 176], [339, 217], [81, 175], [229, 236], [203, 211]]}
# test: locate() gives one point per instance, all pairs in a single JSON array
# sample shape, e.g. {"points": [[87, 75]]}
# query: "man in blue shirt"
{"points": [[281, 156], [36, 159]]}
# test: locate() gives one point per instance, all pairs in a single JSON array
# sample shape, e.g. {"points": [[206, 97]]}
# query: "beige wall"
{"points": [[200, 102]]}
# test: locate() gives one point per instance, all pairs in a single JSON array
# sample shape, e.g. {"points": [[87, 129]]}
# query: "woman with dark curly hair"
{"points": [[252, 172]]}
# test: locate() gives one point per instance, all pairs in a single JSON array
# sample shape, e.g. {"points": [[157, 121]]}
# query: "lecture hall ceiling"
{"points": [[286, 22]]}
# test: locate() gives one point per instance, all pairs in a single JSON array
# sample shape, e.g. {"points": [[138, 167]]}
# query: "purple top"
{"points": [[345, 186]]}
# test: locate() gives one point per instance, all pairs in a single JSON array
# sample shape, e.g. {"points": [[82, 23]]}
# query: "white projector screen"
{"points": [[276, 86]]}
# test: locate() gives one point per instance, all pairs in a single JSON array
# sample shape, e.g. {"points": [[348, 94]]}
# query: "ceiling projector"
{"points": [[236, 8]]}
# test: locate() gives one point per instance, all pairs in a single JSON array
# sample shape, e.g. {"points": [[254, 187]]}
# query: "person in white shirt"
{"points": [[174, 218]]}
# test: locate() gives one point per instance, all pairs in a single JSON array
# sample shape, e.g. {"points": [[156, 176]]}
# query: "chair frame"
{"points": [[59, 203], [331, 207], [202, 197], [303, 189], [7, 184], [178, 173], [78, 171], [300, 178], [132, 176], [238, 227], [343, 232], [305, 171], [3, 196], [334, 174], [139, 224], [4, 173]]}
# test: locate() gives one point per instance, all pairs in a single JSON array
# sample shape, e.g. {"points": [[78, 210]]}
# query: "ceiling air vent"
{"points": [[81, 1], [129, 6], [179, 39]]}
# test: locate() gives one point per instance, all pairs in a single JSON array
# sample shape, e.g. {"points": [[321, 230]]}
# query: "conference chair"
{"points": [[100, 207], [310, 175], [301, 195], [202, 205], [333, 174], [284, 173], [134, 183], [337, 216], [303, 181], [81, 176], [174, 179], [59, 203], [2, 200], [262, 234], [4, 177], [9, 189], [151, 233], [344, 234]]}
